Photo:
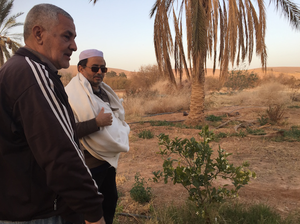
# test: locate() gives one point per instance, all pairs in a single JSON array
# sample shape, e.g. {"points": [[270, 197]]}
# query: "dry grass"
{"points": [[160, 98], [264, 95]]}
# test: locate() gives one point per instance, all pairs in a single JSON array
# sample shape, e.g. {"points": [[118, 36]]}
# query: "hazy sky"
{"points": [[123, 30]]}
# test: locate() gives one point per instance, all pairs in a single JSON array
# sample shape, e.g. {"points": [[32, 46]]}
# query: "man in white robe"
{"points": [[101, 127]]}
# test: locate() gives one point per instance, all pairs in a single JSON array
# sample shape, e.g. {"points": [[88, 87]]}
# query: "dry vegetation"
{"points": [[273, 96], [276, 95], [150, 93]]}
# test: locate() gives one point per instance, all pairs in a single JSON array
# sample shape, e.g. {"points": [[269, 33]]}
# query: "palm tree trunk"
{"points": [[196, 114]]}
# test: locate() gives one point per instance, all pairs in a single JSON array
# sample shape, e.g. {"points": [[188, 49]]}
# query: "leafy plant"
{"points": [[239, 80], [213, 118], [146, 134], [196, 170], [138, 192], [263, 119]]}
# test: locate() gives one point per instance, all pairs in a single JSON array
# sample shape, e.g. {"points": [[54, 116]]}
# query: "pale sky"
{"points": [[123, 30]]}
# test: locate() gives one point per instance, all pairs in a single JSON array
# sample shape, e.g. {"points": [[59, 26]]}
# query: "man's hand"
{"points": [[104, 119], [101, 221]]}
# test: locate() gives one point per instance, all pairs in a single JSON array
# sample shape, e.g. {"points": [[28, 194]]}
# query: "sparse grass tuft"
{"points": [[251, 215], [172, 124], [239, 134], [146, 134], [213, 118], [294, 106], [292, 134], [256, 131]]}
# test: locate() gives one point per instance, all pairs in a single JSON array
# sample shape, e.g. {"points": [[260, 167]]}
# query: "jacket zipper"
{"points": [[55, 204]]}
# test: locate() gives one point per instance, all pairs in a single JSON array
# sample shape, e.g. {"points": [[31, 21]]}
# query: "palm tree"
{"points": [[9, 43], [230, 27]]}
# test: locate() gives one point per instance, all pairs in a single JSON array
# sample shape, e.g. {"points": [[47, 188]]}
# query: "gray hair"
{"points": [[44, 15]]}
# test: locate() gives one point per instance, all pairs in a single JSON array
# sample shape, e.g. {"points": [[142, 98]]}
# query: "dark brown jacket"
{"points": [[42, 169]]}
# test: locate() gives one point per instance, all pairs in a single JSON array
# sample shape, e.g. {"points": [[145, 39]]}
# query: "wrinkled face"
{"points": [[59, 42], [95, 78]]}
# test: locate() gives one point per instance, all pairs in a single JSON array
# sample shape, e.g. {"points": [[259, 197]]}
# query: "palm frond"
{"points": [[290, 10], [9, 43]]}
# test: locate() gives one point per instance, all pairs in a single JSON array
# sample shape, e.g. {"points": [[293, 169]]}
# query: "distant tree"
{"points": [[122, 74], [9, 43], [227, 31], [111, 74]]}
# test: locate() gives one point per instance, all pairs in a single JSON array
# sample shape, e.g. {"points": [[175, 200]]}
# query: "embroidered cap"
{"points": [[90, 53]]}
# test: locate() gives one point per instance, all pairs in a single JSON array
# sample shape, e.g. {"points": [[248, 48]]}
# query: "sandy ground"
{"points": [[275, 163]]}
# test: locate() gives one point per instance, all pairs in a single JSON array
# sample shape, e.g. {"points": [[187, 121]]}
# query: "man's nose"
{"points": [[73, 46]]}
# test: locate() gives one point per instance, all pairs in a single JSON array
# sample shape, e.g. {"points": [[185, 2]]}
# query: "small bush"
{"points": [[146, 134], [221, 135], [213, 118], [292, 134], [138, 192], [197, 169], [275, 112], [256, 131], [117, 82], [239, 80], [239, 134], [263, 119]]}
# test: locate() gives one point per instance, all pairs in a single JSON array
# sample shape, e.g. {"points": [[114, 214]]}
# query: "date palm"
{"points": [[9, 43], [226, 30]]}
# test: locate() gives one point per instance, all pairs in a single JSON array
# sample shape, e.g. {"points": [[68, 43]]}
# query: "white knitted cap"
{"points": [[90, 53]]}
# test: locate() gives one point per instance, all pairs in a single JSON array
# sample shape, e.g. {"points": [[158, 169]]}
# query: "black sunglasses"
{"points": [[96, 69]]}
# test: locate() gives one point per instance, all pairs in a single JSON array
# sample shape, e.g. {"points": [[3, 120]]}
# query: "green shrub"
{"points": [[256, 131], [196, 170], [111, 74], [221, 135], [292, 134], [213, 118], [263, 119], [241, 79], [239, 134], [138, 192], [146, 134]]}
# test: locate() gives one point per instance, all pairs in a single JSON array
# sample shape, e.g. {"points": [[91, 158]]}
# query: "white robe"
{"points": [[109, 141]]}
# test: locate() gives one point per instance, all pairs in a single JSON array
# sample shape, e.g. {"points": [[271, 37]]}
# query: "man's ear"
{"points": [[80, 68], [38, 34]]}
